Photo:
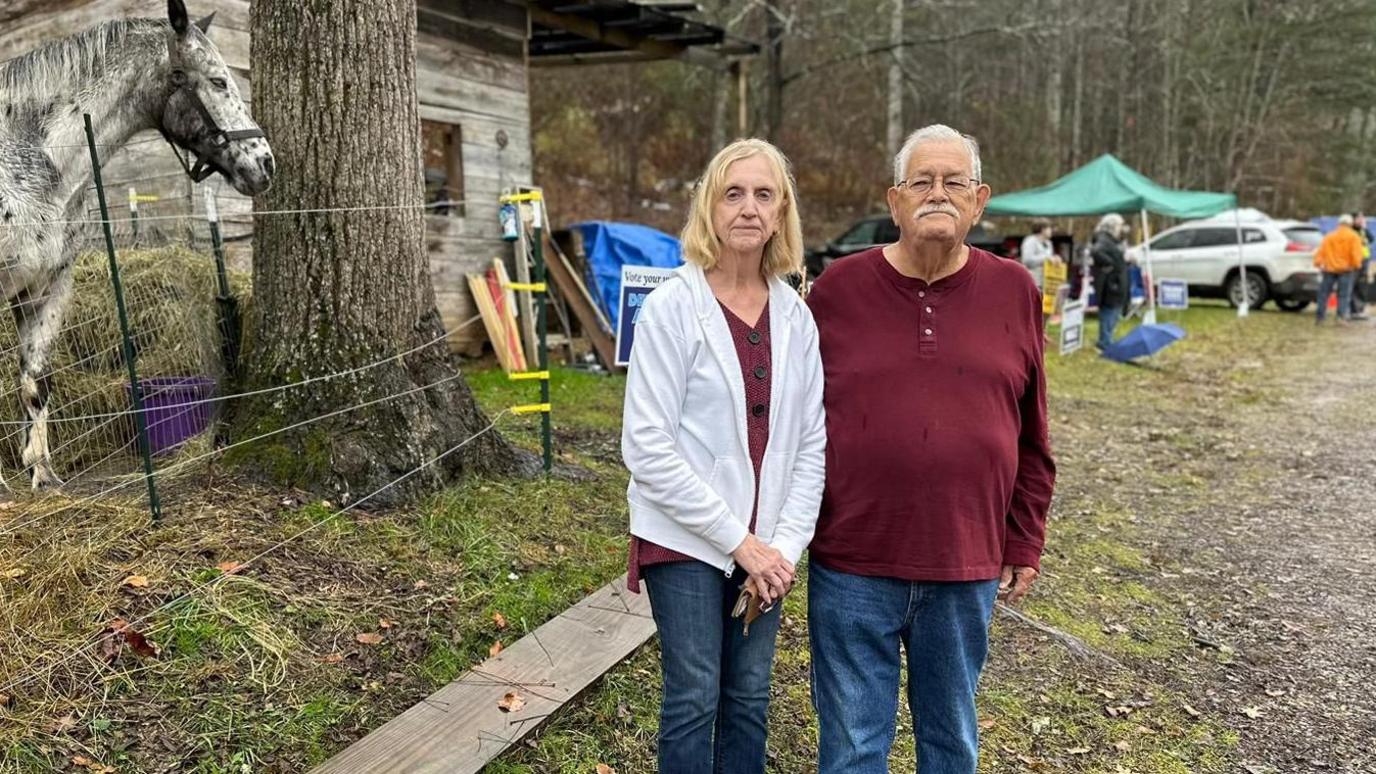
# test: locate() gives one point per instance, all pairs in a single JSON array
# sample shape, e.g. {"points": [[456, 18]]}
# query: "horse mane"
{"points": [[83, 56]]}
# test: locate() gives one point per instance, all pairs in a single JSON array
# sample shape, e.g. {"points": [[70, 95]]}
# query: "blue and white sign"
{"points": [[1072, 326], [1173, 294], [636, 284]]}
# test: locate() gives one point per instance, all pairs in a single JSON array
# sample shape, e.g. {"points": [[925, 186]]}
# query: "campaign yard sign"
{"points": [[1173, 294], [636, 284], [1072, 326]]}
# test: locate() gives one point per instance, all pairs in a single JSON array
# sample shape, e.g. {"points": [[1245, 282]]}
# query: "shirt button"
{"points": [[759, 372], [928, 331], [754, 337], [921, 294], [758, 410]]}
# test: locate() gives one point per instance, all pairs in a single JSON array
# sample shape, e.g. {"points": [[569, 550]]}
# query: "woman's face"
{"points": [[746, 214]]}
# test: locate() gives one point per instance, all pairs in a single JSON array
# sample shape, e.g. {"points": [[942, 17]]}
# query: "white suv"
{"points": [[1279, 255]]}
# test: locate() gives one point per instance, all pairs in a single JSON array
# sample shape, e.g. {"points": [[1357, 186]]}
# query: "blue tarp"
{"points": [[609, 246], [1327, 223]]}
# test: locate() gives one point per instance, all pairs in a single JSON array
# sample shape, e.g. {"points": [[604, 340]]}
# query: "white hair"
{"points": [[1110, 223], [1345, 219], [934, 133]]}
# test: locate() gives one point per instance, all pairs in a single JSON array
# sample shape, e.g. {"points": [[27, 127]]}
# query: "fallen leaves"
{"points": [[369, 638], [228, 568], [1252, 712], [495, 649], [135, 582], [603, 768], [512, 702], [4, 700], [14, 572], [1191, 711], [330, 658], [499, 621], [118, 634], [90, 765]]}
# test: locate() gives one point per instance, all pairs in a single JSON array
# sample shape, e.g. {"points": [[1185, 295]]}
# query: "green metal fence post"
{"points": [[135, 389], [229, 306], [542, 326]]}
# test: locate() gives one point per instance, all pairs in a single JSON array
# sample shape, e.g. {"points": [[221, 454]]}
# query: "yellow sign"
{"points": [[1053, 277]]}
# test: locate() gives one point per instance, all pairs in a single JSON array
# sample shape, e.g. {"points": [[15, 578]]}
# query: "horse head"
{"points": [[204, 112]]}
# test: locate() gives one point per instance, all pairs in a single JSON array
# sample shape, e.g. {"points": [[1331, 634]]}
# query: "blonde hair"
{"points": [[783, 253]]}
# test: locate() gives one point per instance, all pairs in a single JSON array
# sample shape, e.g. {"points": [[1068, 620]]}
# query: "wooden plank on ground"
{"points": [[576, 296], [459, 729]]}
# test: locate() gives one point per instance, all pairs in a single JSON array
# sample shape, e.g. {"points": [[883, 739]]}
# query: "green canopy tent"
{"points": [[1107, 185]]}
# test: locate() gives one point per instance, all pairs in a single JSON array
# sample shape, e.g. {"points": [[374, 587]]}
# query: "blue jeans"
{"points": [[1344, 282], [1108, 322], [857, 624], [716, 679]]}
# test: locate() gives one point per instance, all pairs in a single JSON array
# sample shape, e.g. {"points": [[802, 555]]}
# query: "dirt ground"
{"points": [[1285, 549]]}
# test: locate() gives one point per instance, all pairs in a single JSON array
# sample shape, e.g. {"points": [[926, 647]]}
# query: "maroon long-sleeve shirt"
{"points": [[939, 467]]}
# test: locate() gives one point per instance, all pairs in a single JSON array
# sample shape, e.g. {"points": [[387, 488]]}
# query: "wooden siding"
{"points": [[470, 71]]}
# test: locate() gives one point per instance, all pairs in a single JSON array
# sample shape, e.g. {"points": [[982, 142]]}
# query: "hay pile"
{"points": [[174, 319]]}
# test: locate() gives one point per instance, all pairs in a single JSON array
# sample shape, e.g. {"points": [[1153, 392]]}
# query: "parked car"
{"points": [[877, 230], [1278, 254]]}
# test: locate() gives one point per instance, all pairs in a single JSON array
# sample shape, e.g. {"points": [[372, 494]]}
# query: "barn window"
{"points": [[443, 147]]}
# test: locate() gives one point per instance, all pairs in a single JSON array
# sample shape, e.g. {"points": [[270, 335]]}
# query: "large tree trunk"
{"points": [[334, 87]]}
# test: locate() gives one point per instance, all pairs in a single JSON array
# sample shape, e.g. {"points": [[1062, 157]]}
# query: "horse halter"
{"points": [[218, 137]]}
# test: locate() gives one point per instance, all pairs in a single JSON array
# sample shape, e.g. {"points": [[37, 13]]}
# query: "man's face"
{"points": [[939, 200]]}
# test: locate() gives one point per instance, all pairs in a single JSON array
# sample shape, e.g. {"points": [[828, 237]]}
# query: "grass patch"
{"points": [[261, 669]]}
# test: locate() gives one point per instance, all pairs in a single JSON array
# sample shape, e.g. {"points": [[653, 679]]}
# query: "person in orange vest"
{"points": [[1339, 257]]}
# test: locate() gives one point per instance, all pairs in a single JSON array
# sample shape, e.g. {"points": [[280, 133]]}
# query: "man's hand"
{"points": [[1014, 582]]}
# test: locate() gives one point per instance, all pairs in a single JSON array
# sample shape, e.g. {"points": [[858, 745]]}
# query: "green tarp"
{"points": [[1108, 185]]}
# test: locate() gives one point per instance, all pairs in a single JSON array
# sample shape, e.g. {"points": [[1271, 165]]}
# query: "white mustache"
{"points": [[938, 208]]}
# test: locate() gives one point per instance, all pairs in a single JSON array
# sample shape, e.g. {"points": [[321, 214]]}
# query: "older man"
{"points": [[939, 471]]}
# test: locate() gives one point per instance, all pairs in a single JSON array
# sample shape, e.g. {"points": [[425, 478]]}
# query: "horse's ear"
{"points": [[176, 13], [204, 23]]}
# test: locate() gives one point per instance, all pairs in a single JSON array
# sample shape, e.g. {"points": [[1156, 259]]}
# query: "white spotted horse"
{"points": [[129, 75]]}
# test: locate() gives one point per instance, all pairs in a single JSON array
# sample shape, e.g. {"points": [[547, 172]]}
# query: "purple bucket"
{"points": [[175, 409]]}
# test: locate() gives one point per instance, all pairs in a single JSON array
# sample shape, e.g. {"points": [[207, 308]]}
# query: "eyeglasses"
{"points": [[954, 185]]}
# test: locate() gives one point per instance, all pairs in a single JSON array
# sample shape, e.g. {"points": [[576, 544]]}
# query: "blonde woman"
{"points": [[724, 436]]}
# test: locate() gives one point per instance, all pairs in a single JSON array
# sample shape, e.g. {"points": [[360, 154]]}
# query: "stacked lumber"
{"points": [[498, 309]]}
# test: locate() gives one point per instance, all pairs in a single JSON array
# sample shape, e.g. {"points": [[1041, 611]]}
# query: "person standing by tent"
{"points": [[1339, 257], [1361, 286], [1036, 251], [1112, 281], [939, 470]]}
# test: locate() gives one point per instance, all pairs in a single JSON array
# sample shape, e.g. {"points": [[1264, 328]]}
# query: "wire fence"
{"points": [[170, 270]]}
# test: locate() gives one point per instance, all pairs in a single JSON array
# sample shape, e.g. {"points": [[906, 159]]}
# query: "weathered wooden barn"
{"points": [[473, 60]]}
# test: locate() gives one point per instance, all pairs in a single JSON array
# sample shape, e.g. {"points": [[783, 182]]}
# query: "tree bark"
{"points": [[334, 88], [774, 42], [895, 113]]}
